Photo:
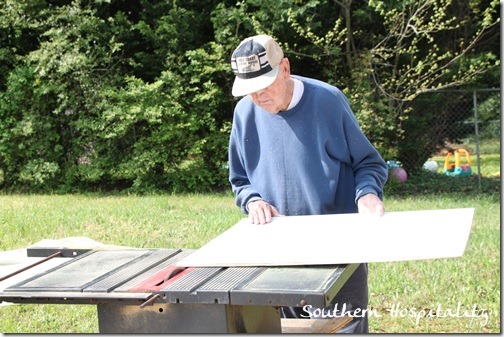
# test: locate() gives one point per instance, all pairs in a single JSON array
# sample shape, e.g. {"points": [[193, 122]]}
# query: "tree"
{"points": [[51, 95], [429, 45], [114, 94], [136, 94]]}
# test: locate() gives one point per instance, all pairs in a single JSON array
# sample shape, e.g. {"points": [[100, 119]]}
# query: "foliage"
{"points": [[135, 95], [111, 99], [489, 117], [416, 55]]}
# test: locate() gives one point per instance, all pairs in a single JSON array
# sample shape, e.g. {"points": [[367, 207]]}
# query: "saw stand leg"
{"points": [[188, 318]]}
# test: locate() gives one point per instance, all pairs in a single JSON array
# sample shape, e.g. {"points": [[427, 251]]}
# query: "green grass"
{"points": [[472, 280], [149, 221], [490, 145], [189, 221]]}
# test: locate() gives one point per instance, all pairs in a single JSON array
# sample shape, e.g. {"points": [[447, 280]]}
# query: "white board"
{"points": [[339, 239]]}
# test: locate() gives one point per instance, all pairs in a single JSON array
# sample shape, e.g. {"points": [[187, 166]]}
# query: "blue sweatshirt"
{"points": [[311, 159]]}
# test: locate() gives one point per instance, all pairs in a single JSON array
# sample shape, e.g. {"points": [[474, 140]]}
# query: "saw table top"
{"points": [[137, 276]]}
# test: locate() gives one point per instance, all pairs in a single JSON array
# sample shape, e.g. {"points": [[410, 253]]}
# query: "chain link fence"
{"points": [[465, 127]]}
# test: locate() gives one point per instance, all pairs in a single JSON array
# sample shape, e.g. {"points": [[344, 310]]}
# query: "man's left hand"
{"points": [[370, 203]]}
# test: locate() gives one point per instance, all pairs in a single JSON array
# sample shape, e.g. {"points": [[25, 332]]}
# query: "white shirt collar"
{"points": [[297, 93]]}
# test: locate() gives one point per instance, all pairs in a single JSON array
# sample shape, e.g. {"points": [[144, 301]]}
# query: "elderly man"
{"points": [[296, 149]]}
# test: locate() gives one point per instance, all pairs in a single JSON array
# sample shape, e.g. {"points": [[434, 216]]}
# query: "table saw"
{"points": [[238, 281], [143, 291]]}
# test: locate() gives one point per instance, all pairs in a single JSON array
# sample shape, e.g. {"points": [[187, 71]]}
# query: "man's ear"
{"points": [[285, 64]]}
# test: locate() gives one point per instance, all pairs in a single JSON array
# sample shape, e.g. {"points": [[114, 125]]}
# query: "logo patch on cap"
{"points": [[250, 61]]}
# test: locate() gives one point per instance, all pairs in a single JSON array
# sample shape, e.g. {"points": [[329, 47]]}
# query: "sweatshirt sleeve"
{"points": [[240, 183], [369, 168]]}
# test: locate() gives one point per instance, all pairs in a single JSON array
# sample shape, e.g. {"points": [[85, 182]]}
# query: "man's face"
{"points": [[277, 96]]}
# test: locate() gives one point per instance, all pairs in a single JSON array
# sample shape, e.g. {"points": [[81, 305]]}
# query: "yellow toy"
{"points": [[455, 169]]}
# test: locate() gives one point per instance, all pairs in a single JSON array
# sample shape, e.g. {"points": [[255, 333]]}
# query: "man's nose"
{"points": [[261, 92]]}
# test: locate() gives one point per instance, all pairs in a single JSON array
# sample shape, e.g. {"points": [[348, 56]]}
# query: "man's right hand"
{"points": [[260, 212]]}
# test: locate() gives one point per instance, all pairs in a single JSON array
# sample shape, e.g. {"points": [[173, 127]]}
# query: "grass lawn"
{"points": [[445, 295], [432, 296]]}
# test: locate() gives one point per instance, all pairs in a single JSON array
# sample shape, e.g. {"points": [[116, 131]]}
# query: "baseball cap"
{"points": [[255, 63]]}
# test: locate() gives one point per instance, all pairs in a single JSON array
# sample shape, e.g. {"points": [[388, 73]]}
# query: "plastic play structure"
{"points": [[456, 169]]}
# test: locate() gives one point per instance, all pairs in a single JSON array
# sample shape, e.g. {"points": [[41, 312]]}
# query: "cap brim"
{"points": [[242, 87]]}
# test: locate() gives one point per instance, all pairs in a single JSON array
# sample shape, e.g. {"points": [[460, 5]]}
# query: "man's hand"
{"points": [[370, 203], [260, 212]]}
